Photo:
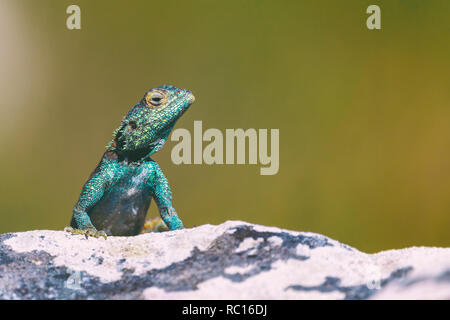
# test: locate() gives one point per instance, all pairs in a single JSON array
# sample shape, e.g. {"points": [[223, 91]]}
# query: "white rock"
{"points": [[234, 260]]}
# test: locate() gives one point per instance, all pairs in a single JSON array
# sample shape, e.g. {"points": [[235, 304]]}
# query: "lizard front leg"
{"points": [[163, 199], [84, 225], [91, 193]]}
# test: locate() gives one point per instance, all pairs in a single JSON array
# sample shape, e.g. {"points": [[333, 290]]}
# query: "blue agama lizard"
{"points": [[117, 195]]}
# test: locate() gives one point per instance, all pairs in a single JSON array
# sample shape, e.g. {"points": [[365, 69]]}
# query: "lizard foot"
{"points": [[88, 232], [155, 224]]}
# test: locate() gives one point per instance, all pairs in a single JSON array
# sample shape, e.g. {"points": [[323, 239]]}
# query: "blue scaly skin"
{"points": [[116, 197]]}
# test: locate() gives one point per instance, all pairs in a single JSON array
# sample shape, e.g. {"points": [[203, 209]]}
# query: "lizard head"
{"points": [[146, 127]]}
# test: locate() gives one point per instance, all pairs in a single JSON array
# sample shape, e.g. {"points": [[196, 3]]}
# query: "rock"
{"points": [[234, 260]]}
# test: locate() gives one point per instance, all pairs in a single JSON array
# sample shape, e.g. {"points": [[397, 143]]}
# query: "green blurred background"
{"points": [[363, 115]]}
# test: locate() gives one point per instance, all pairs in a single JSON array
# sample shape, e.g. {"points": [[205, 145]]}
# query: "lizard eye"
{"points": [[155, 98]]}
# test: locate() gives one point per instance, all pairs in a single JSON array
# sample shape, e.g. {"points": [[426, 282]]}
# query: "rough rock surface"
{"points": [[234, 260]]}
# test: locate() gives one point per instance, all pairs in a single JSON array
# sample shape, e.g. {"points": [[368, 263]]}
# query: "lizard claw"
{"points": [[88, 232]]}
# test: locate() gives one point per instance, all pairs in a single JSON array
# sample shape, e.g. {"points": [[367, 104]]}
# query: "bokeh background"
{"points": [[363, 115]]}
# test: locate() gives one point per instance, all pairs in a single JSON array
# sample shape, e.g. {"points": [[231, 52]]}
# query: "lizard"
{"points": [[115, 198]]}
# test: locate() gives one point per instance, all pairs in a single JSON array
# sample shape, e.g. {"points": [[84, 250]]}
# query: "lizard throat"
{"points": [[131, 156]]}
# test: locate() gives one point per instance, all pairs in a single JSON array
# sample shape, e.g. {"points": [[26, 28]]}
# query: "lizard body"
{"points": [[116, 197]]}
